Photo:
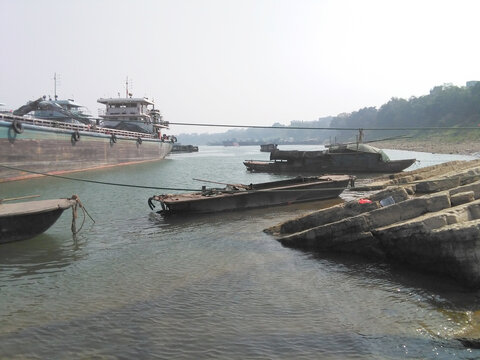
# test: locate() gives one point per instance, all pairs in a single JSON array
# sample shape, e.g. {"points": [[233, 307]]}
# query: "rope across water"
{"points": [[98, 182]]}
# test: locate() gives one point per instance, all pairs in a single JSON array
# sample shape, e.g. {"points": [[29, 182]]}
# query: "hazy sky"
{"points": [[250, 62]]}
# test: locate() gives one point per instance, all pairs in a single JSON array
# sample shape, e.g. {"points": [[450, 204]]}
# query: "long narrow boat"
{"points": [[240, 197], [337, 159], [24, 220]]}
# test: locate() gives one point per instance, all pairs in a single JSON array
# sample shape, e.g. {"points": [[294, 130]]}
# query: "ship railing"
{"points": [[75, 127]]}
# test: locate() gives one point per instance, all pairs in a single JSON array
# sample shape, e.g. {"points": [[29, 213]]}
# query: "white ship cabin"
{"points": [[134, 109], [131, 109], [67, 104], [62, 110]]}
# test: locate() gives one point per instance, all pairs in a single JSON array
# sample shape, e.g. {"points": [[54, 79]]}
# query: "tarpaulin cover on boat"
{"points": [[361, 148]]}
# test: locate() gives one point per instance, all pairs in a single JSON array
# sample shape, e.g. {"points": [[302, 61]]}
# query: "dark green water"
{"points": [[135, 286]]}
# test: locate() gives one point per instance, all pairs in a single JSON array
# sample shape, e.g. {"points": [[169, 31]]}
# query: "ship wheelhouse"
{"points": [[135, 109], [131, 114]]}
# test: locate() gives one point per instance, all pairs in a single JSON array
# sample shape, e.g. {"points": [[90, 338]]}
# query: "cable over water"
{"points": [[324, 128], [98, 182], [145, 186]]}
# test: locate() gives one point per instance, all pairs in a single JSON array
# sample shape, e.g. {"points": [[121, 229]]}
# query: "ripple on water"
{"points": [[212, 286]]}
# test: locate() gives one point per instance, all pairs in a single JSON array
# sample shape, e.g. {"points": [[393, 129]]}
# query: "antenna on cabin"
{"points": [[55, 86], [57, 82], [127, 93]]}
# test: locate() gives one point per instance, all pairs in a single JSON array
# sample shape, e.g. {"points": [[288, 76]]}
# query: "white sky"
{"points": [[252, 62]]}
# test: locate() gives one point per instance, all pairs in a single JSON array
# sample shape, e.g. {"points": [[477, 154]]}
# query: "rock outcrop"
{"points": [[428, 219]]}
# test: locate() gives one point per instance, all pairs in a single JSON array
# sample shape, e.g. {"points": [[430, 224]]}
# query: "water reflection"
{"points": [[208, 286], [43, 254], [458, 306]]}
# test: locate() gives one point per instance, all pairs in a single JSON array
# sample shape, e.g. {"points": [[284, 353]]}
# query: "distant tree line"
{"points": [[445, 106]]}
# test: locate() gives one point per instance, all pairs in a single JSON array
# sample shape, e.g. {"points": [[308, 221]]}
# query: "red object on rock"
{"points": [[364, 201]]}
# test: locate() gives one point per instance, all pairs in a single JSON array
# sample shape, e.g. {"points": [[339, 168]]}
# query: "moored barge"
{"points": [[241, 197], [31, 146], [337, 159]]}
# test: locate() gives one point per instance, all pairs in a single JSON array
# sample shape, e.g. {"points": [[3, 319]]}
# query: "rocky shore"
{"points": [[436, 145], [427, 219]]}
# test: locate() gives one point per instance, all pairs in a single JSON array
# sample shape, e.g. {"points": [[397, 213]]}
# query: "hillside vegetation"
{"points": [[446, 106]]}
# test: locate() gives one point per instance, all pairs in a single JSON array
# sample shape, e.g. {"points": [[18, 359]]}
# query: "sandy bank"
{"points": [[434, 145]]}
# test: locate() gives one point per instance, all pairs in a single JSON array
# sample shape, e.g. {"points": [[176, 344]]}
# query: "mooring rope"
{"points": [[19, 198], [78, 203], [98, 182], [156, 187]]}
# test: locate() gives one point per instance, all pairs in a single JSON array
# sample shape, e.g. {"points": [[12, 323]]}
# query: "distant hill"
{"points": [[262, 136], [444, 106]]}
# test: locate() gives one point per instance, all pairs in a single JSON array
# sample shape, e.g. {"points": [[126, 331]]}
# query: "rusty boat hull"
{"points": [[31, 147], [353, 166], [25, 220], [283, 192], [348, 159]]}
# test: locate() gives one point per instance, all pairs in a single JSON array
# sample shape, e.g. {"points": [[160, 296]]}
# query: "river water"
{"points": [[136, 286]]}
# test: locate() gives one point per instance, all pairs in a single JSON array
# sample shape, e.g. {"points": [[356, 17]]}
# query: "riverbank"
{"points": [[436, 145], [428, 224]]}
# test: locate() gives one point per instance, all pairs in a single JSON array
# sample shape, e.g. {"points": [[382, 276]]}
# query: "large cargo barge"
{"points": [[30, 146]]}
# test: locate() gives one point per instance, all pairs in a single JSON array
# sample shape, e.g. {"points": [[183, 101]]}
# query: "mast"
{"points": [[360, 136], [55, 86]]}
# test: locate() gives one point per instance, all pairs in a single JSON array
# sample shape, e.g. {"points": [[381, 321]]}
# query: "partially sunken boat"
{"points": [[25, 220], [336, 159], [240, 197], [64, 140], [428, 219]]}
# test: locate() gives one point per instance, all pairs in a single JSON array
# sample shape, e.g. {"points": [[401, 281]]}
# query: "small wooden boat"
{"points": [[24, 220], [239, 196]]}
